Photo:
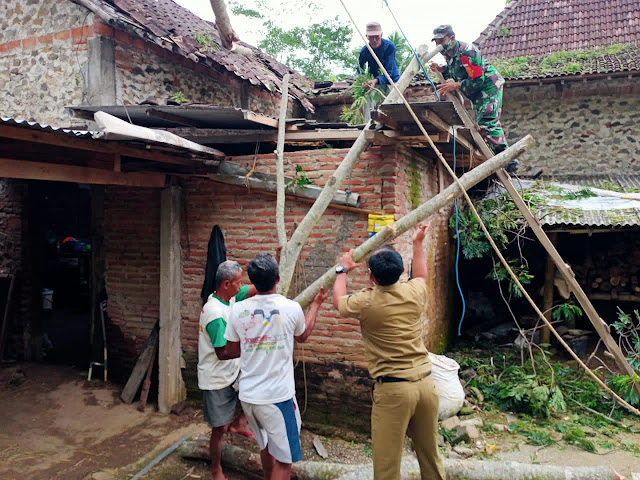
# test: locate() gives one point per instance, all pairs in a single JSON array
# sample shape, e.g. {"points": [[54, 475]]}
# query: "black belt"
{"points": [[396, 379]]}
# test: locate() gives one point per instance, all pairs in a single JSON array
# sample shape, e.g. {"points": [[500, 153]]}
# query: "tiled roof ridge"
{"points": [[133, 17], [622, 57]]}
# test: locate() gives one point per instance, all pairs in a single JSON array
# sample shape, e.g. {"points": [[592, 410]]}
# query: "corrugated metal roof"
{"points": [[46, 128], [616, 203]]}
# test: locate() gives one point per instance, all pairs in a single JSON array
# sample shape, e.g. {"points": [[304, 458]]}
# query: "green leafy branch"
{"points": [[300, 179], [362, 94]]}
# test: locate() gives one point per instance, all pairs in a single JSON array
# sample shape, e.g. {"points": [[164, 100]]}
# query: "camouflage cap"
{"points": [[443, 31]]}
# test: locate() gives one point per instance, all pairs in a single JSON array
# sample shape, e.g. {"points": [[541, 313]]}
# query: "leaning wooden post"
{"points": [[282, 234], [547, 294], [299, 237], [387, 234]]}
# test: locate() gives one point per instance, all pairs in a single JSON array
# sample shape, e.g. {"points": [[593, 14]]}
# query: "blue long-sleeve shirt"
{"points": [[387, 55]]}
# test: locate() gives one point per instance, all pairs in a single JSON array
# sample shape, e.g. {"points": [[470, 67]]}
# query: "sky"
{"points": [[417, 18]]}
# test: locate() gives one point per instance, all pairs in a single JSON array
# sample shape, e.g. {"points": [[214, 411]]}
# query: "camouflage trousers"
{"points": [[488, 110]]}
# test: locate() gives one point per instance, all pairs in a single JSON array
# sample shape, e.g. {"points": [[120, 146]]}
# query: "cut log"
{"points": [[249, 463], [140, 369], [387, 234]]}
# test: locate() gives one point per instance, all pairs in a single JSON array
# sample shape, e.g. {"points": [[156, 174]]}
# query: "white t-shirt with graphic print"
{"points": [[265, 326]]}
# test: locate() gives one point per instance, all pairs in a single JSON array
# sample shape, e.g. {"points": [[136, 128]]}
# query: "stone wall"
{"points": [[590, 127], [43, 57]]}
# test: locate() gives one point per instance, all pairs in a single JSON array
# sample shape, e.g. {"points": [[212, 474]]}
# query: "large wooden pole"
{"points": [[425, 210], [171, 389], [280, 199], [547, 294]]}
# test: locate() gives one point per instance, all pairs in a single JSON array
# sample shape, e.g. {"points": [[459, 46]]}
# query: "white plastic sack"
{"points": [[445, 376]]}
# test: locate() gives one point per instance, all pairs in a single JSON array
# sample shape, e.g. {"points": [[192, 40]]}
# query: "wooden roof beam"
{"points": [[10, 168]]}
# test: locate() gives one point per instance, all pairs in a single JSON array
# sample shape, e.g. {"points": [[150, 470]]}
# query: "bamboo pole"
{"points": [[547, 294]]}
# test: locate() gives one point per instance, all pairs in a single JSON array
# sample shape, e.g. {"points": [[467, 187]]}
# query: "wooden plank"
{"points": [[5, 316], [146, 385], [171, 389], [220, 135], [92, 145], [261, 119], [600, 325], [10, 168], [140, 368]]}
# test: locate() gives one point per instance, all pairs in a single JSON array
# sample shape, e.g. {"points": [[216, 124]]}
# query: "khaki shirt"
{"points": [[391, 328]]}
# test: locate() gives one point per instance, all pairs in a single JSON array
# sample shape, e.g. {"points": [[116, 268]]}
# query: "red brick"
{"points": [[29, 42], [79, 33], [14, 44], [65, 35], [122, 37], [101, 29], [46, 38]]}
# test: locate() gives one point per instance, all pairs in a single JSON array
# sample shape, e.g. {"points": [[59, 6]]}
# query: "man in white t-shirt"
{"points": [[217, 375], [261, 330]]}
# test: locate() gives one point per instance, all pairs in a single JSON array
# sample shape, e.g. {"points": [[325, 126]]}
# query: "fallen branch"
{"points": [[389, 233]]}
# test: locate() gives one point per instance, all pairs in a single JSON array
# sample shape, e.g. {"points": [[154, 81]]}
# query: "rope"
{"points": [[619, 399], [455, 204], [415, 54]]}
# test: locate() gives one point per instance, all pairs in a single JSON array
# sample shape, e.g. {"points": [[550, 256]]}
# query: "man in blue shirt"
{"points": [[385, 50]]}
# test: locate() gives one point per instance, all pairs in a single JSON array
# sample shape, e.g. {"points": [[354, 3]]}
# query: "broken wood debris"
{"points": [[141, 366]]}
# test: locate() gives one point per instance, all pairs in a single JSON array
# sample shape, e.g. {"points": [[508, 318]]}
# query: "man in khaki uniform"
{"points": [[405, 400]]}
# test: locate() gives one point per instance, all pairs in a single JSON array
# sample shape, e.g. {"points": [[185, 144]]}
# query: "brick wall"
{"points": [[132, 262], [592, 126], [337, 379], [43, 57]]}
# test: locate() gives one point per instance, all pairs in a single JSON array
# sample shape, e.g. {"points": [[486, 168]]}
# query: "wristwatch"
{"points": [[342, 269]]}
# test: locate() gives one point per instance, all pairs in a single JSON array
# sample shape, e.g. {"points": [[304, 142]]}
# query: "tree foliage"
{"points": [[318, 49], [403, 50]]}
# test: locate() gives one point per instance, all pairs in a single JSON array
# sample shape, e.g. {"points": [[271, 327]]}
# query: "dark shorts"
{"points": [[219, 406]]}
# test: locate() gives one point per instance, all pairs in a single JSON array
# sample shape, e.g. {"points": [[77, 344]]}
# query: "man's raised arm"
{"points": [[419, 264]]}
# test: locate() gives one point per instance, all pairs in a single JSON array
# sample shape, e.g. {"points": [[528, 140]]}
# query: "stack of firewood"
{"points": [[614, 280]]}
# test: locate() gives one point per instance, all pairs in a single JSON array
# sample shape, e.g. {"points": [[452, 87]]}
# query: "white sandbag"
{"points": [[445, 376]]}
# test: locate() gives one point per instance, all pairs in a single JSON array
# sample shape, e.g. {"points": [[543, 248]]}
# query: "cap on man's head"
{"points": [[373, 28], [443, 31]]}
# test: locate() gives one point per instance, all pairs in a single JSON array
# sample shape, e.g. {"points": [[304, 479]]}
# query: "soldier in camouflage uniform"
{"points": [[478, 80]]}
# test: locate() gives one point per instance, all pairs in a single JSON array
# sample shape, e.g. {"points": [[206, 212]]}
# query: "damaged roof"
{"points": [[601, 201], [175, 28], [542, 38]]}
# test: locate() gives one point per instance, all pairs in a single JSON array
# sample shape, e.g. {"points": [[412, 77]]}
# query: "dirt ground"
{"points": [[57, 426]]}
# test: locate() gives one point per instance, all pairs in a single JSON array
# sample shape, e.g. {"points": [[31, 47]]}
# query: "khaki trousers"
{"points": [[402, 408]]}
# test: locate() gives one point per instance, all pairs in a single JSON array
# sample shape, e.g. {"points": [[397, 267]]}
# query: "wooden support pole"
{"points": [[171, 389], [547, 295], [280, 199]]}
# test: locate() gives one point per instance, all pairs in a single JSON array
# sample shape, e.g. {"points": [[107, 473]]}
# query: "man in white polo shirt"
{"points": [[262, 330], [217, 375]]}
